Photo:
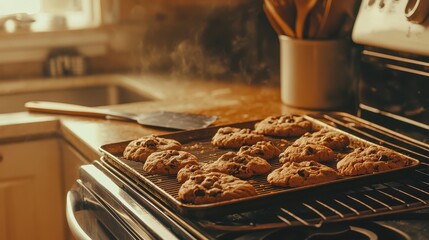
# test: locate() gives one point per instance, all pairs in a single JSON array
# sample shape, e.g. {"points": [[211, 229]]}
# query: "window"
{"points": [[49, 15]]}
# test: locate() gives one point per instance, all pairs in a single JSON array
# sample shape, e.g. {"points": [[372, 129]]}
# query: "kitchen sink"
{"points": [[98, 94]]}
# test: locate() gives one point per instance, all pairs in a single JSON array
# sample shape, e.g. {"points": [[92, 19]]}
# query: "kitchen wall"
{"points": [[223, 39], [206, 38]]}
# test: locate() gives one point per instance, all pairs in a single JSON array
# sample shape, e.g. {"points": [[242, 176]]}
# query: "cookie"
{"points": [[241, 166], [139, 149], [263, 149], [214, 187], [308, 152], [371, 160], [331, 139], [230, 137], [297, 174], [189, 170], [168, 162], [283, 126]]}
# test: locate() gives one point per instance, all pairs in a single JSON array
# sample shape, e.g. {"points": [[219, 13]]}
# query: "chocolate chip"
{"points": [[244, 148], [311, 163], [301, 172], [199, 193], [308, 150], [383, 158], [150, 143]]}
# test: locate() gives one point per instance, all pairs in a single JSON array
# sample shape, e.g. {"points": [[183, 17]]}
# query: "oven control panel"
{"points": [[401, 25]]}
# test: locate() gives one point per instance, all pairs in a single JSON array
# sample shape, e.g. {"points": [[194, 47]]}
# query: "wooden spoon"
{"points": [[286, 29], [303, 7]]}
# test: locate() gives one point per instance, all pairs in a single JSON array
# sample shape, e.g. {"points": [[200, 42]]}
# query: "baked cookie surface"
{"points": [[139, 149], [230, 137], [214, 187], [308, 152], [263, 149], [189, 170], [331, 139], [168, 162], [241, 166], [371, 160], [283, 126], [297, 174]]}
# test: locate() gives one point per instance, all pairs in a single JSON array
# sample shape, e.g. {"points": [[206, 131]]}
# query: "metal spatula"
{"points": [[172, 120]]}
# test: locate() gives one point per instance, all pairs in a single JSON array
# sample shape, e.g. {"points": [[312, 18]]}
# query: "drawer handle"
{"points": [[1, 157]]}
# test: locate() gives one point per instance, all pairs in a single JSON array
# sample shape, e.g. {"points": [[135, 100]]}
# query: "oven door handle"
{"points": [[71, 208]]}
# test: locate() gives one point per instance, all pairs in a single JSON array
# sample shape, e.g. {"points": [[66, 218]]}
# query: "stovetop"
{"points": [[364, 212]]}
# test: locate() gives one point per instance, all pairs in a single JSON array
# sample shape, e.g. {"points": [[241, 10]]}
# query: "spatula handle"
{"points": [[65, 108]]}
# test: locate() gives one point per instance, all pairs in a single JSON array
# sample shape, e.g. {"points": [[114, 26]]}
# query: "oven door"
{"points": [[89, 219], [97, 208]]}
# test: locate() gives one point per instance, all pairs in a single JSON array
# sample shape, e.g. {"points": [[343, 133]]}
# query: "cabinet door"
{"points": [[31, 206]]}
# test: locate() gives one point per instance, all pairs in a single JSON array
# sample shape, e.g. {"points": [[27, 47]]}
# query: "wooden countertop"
{"points": [[231, 101]]}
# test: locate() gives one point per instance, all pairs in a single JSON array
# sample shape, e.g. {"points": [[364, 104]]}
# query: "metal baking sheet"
{"points": [[197, 142]]}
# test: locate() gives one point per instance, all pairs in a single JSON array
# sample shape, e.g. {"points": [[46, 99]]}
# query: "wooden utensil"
{"points": [[303, 7], [317, 18], [272, 21], [336, 16], [171, 120], [287, 11], [286, 29]]}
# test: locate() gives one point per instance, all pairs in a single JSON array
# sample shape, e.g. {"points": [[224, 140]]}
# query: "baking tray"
{"points": [[197, 142]]}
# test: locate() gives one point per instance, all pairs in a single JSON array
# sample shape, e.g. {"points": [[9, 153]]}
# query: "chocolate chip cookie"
{"points": [[297, 174], [308, 152], [168, 162], [263, 149], [241, 166], [230, 137], [214, 187], [331, 139], [283, 126], [139, 149], [371, 160]]}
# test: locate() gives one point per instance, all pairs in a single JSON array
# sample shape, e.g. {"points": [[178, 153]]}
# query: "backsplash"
{"points": [[207, 39]]}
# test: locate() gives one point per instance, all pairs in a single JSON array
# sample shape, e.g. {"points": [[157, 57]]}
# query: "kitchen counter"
{"points": [[231, 101]]}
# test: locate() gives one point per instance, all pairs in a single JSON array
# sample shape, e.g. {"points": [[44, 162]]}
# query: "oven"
{"points": [[393, 97]]}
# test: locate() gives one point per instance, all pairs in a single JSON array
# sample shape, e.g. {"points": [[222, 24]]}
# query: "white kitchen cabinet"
{"points": [[31, 205]]}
